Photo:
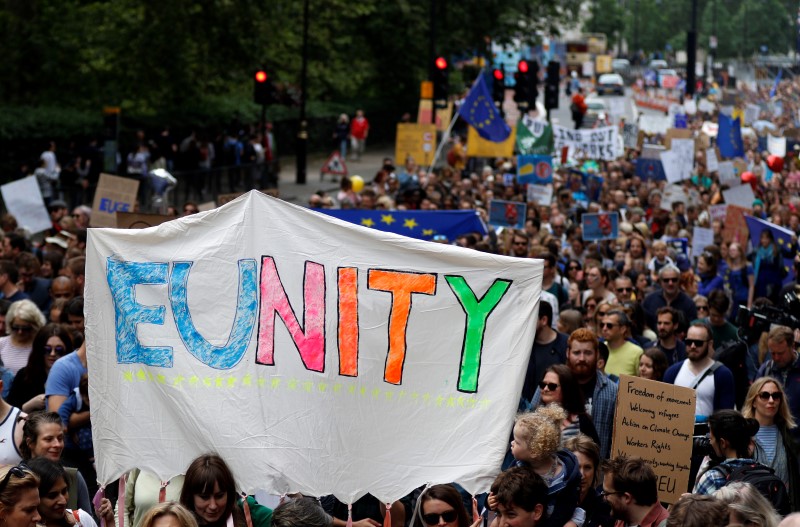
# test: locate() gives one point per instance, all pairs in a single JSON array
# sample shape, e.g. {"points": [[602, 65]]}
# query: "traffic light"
{"points": [[263, 89], [440, 83], [498, 86], [521, 85], [551, 85]]}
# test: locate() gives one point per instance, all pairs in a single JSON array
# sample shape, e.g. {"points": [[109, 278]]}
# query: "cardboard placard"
{"points": [[135, 220], [114, 194], [417, 141], [676, 133], [735, 226], [655, 421], [741, 195], [717, 212]]}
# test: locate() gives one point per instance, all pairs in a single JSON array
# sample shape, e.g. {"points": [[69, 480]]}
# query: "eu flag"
{"points": [[783, 239], [729, 137], [650, 169], [419, 224], [479, 111]]}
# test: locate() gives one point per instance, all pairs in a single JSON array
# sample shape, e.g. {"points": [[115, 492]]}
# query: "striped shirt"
{"points": [[767, 437]]}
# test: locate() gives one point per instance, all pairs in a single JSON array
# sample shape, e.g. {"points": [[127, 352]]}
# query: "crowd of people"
{"points": [[643, 304]]}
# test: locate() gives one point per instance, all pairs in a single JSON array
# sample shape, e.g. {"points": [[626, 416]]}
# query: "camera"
{"points": [[701, 443], [753, 322]]}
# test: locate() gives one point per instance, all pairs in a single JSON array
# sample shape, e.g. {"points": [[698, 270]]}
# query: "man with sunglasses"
{"points": [[784, 365], [669, 294], [711, 379], [623, 355], [630, 487]]}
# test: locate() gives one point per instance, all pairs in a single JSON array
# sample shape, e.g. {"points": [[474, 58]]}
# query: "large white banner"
{"points": [[314, 355], [596, 143]]}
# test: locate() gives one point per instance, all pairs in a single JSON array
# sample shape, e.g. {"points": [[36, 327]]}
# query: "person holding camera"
{"points": [[729, 434], [784, 366]]}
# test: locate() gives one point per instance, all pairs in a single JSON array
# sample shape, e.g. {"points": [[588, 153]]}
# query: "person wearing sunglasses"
{"points": [[51, 343], [23, 320], [440, 506], [19, 497], [669, 294], [560, 387], [774, 446], [623, 355], [53, 496], [712, 380]]}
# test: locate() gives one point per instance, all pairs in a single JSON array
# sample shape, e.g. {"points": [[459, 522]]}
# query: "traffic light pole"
{"points": [[302, 134]]}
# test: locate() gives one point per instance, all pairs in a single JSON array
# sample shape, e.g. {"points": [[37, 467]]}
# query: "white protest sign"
{"points": [[751, 113], [701, 238], [672, 194], [672, 166], [690, 106], [776, 145], [741, 195], [654, 124], [684, 149], [597, 143], [712, 163], [23, 199], [306, 350], [540, 194], [705, 106], [727, 172], [630, 135]]}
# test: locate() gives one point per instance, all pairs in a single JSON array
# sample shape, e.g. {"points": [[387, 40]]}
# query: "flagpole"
{"points": [[446, 134]]}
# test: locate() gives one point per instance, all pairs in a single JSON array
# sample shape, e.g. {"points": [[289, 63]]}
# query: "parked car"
{"points": [[596, 112], [622, 66], [657, 64], [610, 84]]}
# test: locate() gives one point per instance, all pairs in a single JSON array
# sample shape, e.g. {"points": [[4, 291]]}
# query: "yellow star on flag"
{"points": [[427, 232], [388, 219], [367, 222], [410, 223]]}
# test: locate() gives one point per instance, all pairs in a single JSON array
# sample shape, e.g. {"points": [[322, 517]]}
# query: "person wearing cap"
{"points": [[758, 209]]}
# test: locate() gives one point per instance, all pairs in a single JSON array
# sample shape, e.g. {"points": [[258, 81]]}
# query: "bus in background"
{"points": [[584, 50]]}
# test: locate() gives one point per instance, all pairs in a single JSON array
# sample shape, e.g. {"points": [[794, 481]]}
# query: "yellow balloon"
{"points": [[358, 183]]}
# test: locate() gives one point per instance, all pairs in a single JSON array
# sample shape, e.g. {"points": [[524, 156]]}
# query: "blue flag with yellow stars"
{"points": [[783, 239], [479, 111], [729, 137], [420, 224]]}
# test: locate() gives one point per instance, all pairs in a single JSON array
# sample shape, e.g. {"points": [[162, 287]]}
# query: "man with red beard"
{"points": [[599, 391]]}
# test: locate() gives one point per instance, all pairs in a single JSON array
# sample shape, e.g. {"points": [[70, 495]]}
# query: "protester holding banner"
{"points": [[768, 267], [209, 491]]}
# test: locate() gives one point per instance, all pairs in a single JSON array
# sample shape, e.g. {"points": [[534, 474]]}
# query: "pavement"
{"points": [[366, 167]]}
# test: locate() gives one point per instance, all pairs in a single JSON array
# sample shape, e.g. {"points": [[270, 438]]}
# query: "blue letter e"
{"points": [[122, 280]]}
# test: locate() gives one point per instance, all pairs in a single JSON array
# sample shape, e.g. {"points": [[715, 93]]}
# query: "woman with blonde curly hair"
{"points": [[23, 321], [766, 403], [537, 436], [747, 506]]}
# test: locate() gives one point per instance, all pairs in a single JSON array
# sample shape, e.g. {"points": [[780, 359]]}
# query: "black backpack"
{"points": [[763, 478], [733, 355]]}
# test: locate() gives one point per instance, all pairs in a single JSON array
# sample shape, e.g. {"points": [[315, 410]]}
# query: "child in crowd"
{"points": [[659, 260], [536, 444]]}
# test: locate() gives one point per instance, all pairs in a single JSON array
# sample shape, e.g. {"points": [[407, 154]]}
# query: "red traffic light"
{"points": [[498, 74], [523, 66], [441, 63], [261, 76]]}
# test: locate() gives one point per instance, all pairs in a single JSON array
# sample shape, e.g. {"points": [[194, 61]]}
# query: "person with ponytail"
{"points": [[730, 434]]}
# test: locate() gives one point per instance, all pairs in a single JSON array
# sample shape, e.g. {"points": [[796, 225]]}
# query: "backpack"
{"points": [[733, 355], [763, 478]]}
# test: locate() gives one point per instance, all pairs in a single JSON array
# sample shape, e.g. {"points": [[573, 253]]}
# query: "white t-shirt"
{"points": [[705, 391], [86, 519]]}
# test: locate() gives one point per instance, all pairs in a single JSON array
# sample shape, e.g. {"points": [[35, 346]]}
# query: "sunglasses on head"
{"points": [[765, 396], [694, 343], [19, 471], [432, 518], [549, 385]]}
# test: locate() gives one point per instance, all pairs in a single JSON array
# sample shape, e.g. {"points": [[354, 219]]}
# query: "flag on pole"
{"points": [[480, 112], [775, 86]]}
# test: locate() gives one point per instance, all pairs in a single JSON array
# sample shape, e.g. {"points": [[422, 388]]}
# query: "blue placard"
{"points": [[650, 169], [509, 214], [535, 169], [602, 226]]}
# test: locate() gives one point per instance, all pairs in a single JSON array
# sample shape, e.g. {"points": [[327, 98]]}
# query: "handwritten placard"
{"points": [[655, 421]]}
